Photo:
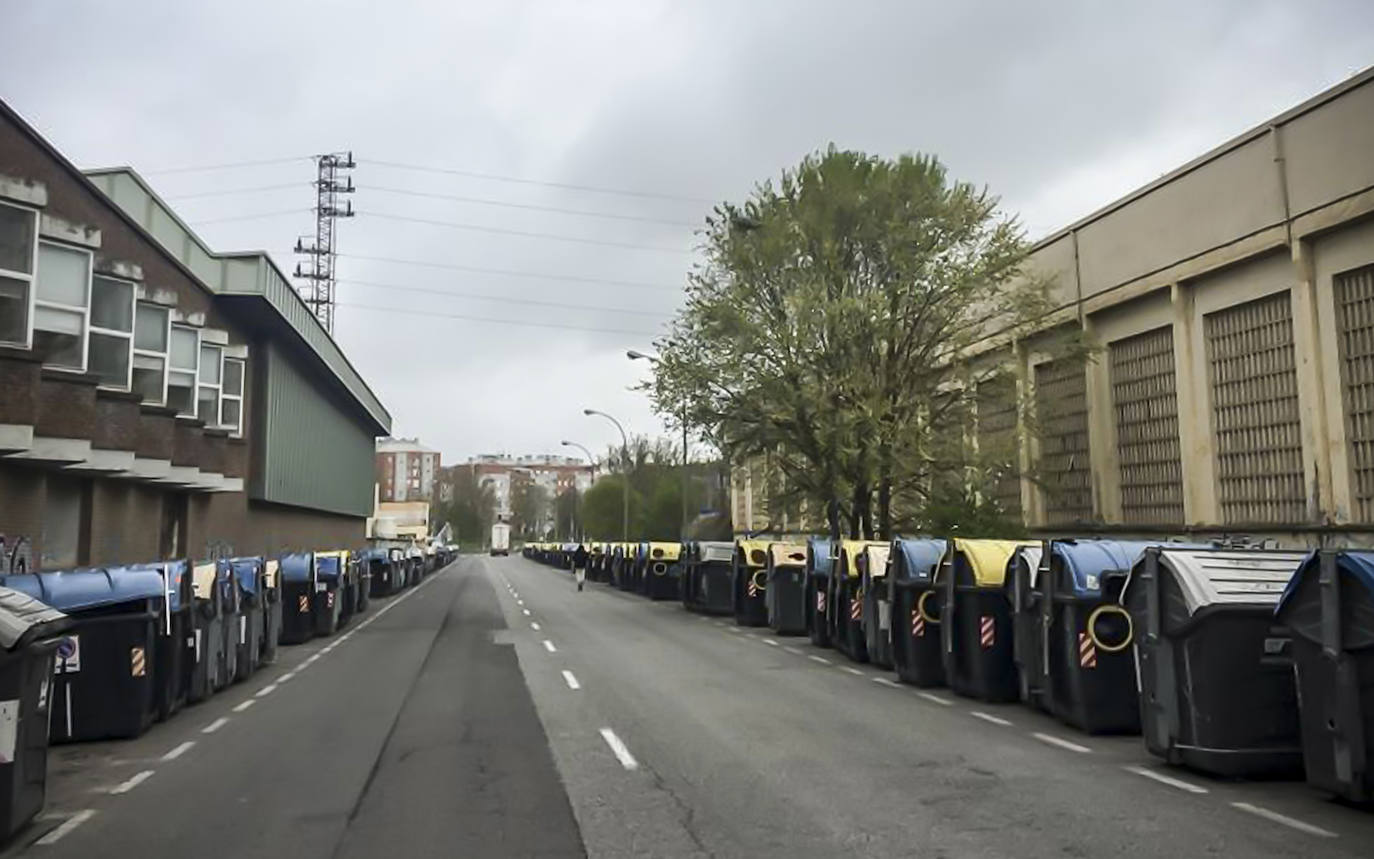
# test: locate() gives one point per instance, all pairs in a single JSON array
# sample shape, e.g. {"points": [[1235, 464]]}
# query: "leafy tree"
{"points": [[566, 514], [471, 508], [529, 507]]}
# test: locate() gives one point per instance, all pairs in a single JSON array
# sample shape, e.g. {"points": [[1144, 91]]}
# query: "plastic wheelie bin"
{"points": [[877, 604], [687, 583], [664, 571], [272, 603], [976, 631], [1329, 608], [231, 624], [249, 577], [207, 632], [597, 555], [362, 577], [30, 633], [1215, 668], [786, 591], [1088, 664], [916, 611], [847, 601], [173, 654], [1025, 587], [380, 577], [714, 577], [818, 566], [749, 582], [330, 588], [400, 568], [298, 597]]}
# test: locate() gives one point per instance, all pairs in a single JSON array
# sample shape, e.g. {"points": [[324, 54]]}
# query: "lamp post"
{"points": [[625, 454], [634, 355], [592, 461]]}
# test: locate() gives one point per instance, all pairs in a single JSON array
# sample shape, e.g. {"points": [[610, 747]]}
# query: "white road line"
{"points": [[526, 611], [133, 782], [215, 725], [534, 626], [266, 690], [519, 602], [1164, 779], [935, 699], [770, 641], [67, 826], [736, 630], [821, 659], [988, 717], [290, 675], [571, 681], [1061, 742], [794, 651], [548, 645], [179, 750], [852, 670], [1283, 819], [627, 760], [886, 682], [239, 708], [312, 659]]}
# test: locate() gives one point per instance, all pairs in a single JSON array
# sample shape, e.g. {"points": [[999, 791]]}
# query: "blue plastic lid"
{"points": [[295, 567], [77, 590], [1356, 563], [327, 567], [1088, 561], [920, 558], [820, 554], [245, 571]]}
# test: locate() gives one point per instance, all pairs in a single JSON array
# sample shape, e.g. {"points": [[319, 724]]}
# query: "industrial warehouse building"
{"points": [[157, 399], [1232, 304]]}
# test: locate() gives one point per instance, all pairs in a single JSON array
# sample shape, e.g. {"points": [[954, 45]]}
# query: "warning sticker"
{"points": [[138, 663], [68, 659]]}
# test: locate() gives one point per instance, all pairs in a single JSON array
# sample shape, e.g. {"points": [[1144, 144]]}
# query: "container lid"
{"points": [[820, 554], [328, 565], [271, 571], [665, 551], [987, 559], [203, 576], [246, 572], [1237, 578], [917, 559], [849, 553], [176, 575], [875, 558], [1088, 561], [786, 555], [1300, 607], [23, 618], [1029, 558], [716, 552], [296, 567], [76, 590], [754, 552]]}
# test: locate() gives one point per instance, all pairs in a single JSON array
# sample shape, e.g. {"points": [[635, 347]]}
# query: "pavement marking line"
{"points": [[821, 659], [770, 641], [287, 676], [988, 717], [239, 708], [886, 682], [935, 699], [133, 782], [179, 750], [736, 630], [534, 626], [526, 611], [548, 645], [1164, 779], [852, 670], [793, 651], [66, 827], [627, 760], [519, 602], [571, 680], [266, 690], [1061, 742], [215, 725], [1284, 820]]}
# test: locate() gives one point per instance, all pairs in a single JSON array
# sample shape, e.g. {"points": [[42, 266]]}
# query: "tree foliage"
{"points": [[471, 508]]}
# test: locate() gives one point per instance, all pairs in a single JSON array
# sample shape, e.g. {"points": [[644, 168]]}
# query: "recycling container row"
{"points": [[708, 580]]}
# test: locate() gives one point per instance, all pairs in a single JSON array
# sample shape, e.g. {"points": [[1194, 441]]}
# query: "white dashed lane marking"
{"points": [[534, 626], [215, 725], [1283, 819], [526, 611], [988, 717], [66, 827], [852, 670], [935, 699], [1061, 743], [548, 645], [266, 690], [1164, 779], [571, 681], [885, 682], [179, 750], [622, 753], [239, 708], [770, 641], [821, 659], [131, 783]]}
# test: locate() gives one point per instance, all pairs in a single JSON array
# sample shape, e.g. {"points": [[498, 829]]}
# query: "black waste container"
{"points": [[595, 557], [248, 577], [298, 597], [819, 563], [877, 604], [976, 631], [362, 575], [415, 571], [331, 585], [380, 576], [663, 571], [714, 578], [206, 665], [1216, 669], [749, 582], [786, 591], [30, 634], [173, 654], [105, 685], [687, 585], [1329, 607], [231, 623], [272, 603], [917, 607], [1088, 667], [847, 601], [1025, 588]]}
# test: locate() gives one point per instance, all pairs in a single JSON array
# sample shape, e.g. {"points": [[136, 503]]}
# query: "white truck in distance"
{"points": [[500, 539]]}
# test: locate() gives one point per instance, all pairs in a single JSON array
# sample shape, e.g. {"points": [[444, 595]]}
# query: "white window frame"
{"points": [[35, 302], [165, 355], [194, 371], [234, 428], [210, 420], [31, 278], [127, 336]]}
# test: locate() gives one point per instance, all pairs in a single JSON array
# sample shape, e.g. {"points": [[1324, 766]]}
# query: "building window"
{"points": [[231, 396], [18, 247], [207, 394], [151, 336], [1147, 440], [61, 306], [1061, 407], [183, 363], [112, 330]]}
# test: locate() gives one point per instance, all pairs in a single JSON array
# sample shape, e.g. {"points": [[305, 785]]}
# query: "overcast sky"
{"points": [[1058, 107]]}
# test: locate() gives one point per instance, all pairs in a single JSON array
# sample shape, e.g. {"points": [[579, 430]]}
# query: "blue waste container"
{"points": [[231, 616], [819, 562], [917, 607], [249, 577], [173, 656], [298, 597], [877, 603], [331, 586], [382, 578], [785, 595]]}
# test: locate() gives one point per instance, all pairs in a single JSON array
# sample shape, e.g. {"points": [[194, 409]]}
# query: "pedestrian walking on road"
{"points": [[580, 565]]}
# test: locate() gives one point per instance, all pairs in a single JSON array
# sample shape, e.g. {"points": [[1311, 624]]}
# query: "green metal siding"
{"points": [[313, 454]]}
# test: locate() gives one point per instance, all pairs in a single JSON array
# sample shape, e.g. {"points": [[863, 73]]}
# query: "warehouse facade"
{"points": [[157, 399]]}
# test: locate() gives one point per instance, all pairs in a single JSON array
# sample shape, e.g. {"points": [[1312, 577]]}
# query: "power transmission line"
{"points": [[596, 281], [532, 207], [501, 298], [428, 314], [229, 166], [523, 233], [255, 217], [522, 181], [227, 191]]}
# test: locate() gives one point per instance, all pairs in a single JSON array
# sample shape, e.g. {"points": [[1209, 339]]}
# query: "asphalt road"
{"points": [[496, 712]]}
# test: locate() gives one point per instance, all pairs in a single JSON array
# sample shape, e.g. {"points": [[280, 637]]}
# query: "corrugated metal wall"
{"points": [[1146, 406], [1355, 313], [1061, 409], [1255, 413], [997, 442], [314, 454]]}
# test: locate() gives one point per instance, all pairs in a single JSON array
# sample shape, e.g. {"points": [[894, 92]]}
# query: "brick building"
{"points": [[406, 470], [158, 399]]}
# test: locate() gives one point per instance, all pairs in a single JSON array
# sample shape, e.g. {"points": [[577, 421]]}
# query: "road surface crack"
{"points": [[688, 815]]}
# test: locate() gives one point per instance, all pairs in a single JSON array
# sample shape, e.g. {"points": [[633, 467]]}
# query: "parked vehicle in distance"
{"points": [[500, 539]]}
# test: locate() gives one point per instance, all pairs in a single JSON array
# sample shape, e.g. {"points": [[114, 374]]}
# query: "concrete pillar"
{"points": [[1027, 441], [1196, 448], [1102, 450], [1317, 390]]}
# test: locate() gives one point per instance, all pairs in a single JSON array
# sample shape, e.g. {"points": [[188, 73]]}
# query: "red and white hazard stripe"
{"points": [[987, 634], [753, 589], [918, 624], [856, 609], [820, 601], [304, 604], [1087, 651]]}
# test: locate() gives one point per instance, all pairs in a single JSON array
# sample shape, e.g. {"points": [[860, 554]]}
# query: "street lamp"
{"points": [[635, 355], [625, 479]]}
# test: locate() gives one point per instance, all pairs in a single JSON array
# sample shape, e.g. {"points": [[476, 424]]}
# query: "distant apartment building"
{"points": [[405, 470], [555, 474]]}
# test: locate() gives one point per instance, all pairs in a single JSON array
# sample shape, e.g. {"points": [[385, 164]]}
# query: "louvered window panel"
{"points": [[1255, 413], [1355, 315], [1146, 406], [1061, 408], [996, 399]]}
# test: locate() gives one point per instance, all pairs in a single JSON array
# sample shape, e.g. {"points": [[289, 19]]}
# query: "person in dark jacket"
{"points": [[580, 565]]}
